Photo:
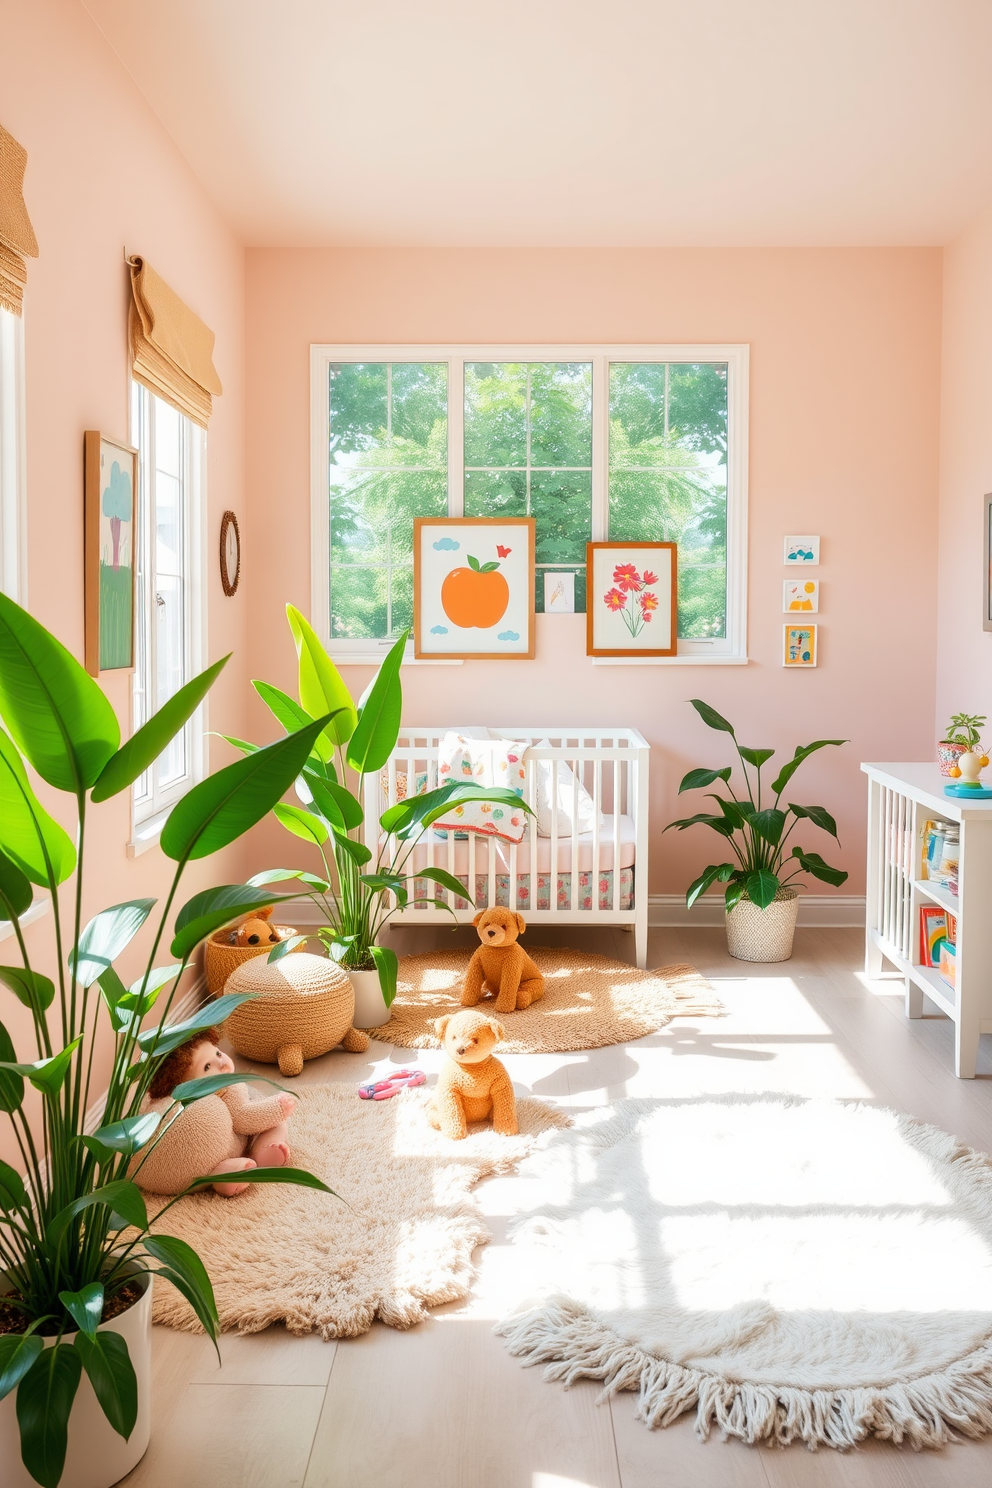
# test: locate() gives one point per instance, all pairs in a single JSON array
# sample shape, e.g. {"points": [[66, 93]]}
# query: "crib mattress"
{"points": [[460, 850]]}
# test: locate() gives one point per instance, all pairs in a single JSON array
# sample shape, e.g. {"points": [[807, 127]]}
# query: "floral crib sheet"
{"points": [[425, 890]]}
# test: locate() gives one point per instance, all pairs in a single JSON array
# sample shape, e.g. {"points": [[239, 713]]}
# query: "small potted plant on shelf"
{"points": [[77, 1249], [761, 904], [360, 889], [962, 736]]}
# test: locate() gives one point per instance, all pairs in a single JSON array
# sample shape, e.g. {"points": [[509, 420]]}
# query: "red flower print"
{"points": [[614, 600], [648, 602], [650, 578], [626, 575]]}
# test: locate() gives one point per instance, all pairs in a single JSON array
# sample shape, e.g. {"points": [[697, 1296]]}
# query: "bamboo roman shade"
{"points": [[171, 348], [17, 239]]}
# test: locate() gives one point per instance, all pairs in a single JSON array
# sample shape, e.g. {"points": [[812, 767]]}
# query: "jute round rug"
{"points": [[590, 1001], [794, 1270], [398, 1240]]}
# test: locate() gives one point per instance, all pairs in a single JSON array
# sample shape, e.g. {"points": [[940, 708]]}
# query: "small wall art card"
{"points": [[801, 594], [110, 477], [473, 587], [800, 646], [559, 594], [802, 550], [631, 599]]}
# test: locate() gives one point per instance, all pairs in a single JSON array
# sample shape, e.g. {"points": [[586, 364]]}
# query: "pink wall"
{"points": [[845, 348], [102, 174], [964, 678]]}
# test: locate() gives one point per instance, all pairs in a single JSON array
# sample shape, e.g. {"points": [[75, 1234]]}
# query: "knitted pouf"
{"points": [[220, 958], [303, 1006]]}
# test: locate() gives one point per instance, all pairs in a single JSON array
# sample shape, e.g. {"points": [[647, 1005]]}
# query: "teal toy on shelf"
{"points": [[968, 792], [966, 784]]}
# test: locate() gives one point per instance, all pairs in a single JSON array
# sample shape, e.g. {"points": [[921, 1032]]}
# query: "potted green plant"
{"points": [[962, 735], [77, 1249], [761, 904], [361, 888]]}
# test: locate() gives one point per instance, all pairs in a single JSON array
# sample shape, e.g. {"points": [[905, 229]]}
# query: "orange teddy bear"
{"points": [[473, 1086], [500, 967], [256, 930]]}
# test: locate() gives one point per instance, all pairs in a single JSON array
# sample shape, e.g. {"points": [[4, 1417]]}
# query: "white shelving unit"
{"points": [[900, 798]]}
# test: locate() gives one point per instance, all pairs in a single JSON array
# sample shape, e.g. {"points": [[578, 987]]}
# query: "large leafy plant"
{"points": [[74, 1229], [755, 829], [360, 890]]}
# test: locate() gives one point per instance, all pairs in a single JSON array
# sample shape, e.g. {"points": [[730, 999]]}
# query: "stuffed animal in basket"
{"points": [[473, 1086], [224, 1133], [256, 930], [501, 968]]}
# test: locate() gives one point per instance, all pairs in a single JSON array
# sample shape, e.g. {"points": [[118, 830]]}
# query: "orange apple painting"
{"points": [[477, 596], [473, 587]]}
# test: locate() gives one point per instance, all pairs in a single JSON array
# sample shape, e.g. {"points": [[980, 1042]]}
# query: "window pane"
{"points": [[702, 602], [562, 505], [360, 603], [170, 658], [168, 437], [389, 414], [496, 493], [561, 414], [495, 414]]}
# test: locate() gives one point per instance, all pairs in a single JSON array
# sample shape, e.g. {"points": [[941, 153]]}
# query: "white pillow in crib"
{"points": [[484, 762], [568, 783]]}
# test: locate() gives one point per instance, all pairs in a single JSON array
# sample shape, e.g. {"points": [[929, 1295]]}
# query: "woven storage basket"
{"points": [[755, 934], [303, 1007], [220, 958]]}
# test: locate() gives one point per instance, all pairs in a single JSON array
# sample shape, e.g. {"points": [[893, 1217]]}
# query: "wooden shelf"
{"points": [[937, 893]]}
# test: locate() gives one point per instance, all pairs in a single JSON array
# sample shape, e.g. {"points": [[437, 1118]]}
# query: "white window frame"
{"points": [[13, 473], [729, 650], [148, 812]]}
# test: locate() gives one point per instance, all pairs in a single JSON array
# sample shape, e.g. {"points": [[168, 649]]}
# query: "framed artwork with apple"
{"points": [[473, 587]]}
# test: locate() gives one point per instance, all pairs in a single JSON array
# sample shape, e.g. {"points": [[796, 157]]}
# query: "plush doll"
{"points": [[256, 930], [224, 1133], [500, 967], [473, 1086]]}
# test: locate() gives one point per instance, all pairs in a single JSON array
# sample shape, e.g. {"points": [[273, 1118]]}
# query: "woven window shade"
{"points": [[17, 239], [171, 348]]}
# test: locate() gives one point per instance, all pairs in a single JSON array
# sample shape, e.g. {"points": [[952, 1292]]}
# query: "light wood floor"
{"points": [[444, 1405]]}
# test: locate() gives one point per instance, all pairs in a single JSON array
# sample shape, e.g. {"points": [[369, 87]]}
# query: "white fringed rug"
{"points": [[791, 1270]]}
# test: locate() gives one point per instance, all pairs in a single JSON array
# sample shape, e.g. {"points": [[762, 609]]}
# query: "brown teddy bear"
{"points": [[500, 967], [473, 1086], [256, 930]]}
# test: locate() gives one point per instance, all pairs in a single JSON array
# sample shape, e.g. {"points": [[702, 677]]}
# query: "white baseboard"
{"points": [[820, 910]]}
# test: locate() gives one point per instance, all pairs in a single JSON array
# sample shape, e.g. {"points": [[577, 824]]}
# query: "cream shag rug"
{"points": [[402, 1241], [589, 1001], [790, 1270]]}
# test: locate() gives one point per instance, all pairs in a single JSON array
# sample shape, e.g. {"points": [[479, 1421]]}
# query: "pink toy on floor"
{"points": [[399, 1080]]}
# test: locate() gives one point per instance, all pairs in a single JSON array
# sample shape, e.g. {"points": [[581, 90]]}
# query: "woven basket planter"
{"points": [[220, 958], [755, 934], [303, 1007]]}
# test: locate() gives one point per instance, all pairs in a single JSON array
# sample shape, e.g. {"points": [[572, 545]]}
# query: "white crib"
{"points": [[598, 877]]}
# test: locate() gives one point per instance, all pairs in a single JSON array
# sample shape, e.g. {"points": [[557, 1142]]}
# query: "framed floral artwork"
{"points": [[799, 649], [473, 587], [632, 600]]}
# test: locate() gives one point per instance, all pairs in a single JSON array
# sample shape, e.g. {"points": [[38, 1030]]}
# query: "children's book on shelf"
{"points": [[936, 927], [948, 962]]}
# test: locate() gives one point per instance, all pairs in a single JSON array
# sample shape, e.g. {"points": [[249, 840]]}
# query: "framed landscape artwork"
{"points": [[473, 587], [110, 480], [631, 599]]}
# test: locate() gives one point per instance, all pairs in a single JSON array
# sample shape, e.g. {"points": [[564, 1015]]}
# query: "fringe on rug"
{"points": [[930, 1411], [693, 993]]}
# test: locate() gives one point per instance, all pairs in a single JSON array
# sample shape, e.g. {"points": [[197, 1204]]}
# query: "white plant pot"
{"points": [[96, 1455], [370, 1009], [755, 934]]}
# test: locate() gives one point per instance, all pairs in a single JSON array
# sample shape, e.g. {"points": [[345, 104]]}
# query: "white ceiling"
{"points": [[575, 122]]}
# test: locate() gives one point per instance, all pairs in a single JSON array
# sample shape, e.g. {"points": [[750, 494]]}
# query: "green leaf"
{"points": [[185, 1266], [489, 567], [474, 563], [107, 1362], [122, 1197], [298, 1176], [242, 744], [28, 834], [718, 823], [194, 1090], [378, 725], [287, 711], [56, 713], [210, 910], [761, 887], [144, 747], [46, 1075], [803, 751], [30, 987], [277, 875], [301, 823], [335, 801], [447, 881], [732, 811], [11, 1084], [85, 1307], [818, 815], [388, 964], [735, 892], [18, 1352], [696, 779], [223, 807], [716, 872], [124, 1137], [105, 937], [13, 1194], [16, 892], [322, 688], [356, 851], [756, 757], [769, 824], [814, 864], [711, 717], [44, 1402], [161, 1041], [284, 947]]}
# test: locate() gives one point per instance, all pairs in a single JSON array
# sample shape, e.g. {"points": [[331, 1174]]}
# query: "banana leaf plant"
{"points": [[360, 890], [756, 827], [74, 1228]]}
